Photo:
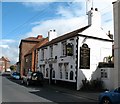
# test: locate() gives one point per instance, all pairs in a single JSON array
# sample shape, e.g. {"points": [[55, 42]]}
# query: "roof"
{"points": [[5, 59], [106, 65], [66, 36], [41, 42], [31, 39]]}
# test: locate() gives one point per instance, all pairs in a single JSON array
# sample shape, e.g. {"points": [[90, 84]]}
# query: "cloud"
{"points": [[71, 16], [61, 25], [4, 41], [9, 49], [4, 46], [37, 6]]}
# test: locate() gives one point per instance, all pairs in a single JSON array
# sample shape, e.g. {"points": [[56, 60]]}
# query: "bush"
{"points": [[93, 85]]}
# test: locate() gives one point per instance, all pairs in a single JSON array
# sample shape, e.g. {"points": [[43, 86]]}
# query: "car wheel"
{"points": [[27, 83], [106, 101]]}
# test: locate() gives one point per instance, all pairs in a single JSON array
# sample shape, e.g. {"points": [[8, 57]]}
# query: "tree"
{"points": [[13, 68]]}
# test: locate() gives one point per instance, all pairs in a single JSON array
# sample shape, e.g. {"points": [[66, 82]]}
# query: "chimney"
{"points": [[94, 17], [39, 37], [52, 35]]}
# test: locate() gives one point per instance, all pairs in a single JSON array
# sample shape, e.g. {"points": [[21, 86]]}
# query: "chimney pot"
{"points": [[91, 8], [96, 9]]}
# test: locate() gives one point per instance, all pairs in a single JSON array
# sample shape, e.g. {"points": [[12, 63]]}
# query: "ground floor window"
{"points": [[60, 75], [53, 74], [66, 75], [60, 70], [71, 75], [46, 72], [104, 73]]}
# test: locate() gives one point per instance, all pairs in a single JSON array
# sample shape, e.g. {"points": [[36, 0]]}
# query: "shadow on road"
{"points": [[48, 93]]}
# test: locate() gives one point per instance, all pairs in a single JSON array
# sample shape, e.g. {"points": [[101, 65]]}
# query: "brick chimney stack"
{"points": [[39, 37]]}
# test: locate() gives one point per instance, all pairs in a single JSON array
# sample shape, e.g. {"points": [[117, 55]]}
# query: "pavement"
{"points": [[89, 95]]}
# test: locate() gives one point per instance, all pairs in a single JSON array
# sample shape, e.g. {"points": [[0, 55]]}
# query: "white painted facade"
{"points": [[116, 7], [67, 68], [106, 75]]}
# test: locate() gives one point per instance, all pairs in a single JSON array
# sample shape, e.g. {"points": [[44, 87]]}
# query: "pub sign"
{"points": [[84, 57]]}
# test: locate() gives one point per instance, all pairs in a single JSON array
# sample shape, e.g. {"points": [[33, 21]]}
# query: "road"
{"points": [[13, 91]]}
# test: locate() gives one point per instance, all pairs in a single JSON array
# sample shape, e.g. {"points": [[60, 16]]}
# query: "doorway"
{"points": [[51, 68]]}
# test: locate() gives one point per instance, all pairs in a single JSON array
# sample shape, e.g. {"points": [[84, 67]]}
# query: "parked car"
{"points": [[33, 78], [110, 97], [15, 75]]}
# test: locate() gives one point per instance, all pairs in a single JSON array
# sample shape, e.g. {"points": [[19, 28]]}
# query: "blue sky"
{"points": [[24, 19]]}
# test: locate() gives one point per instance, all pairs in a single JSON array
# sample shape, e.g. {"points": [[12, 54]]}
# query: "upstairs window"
{"points": [[64, 48], [51, 51], [42, 54], [53, 74], [69, 49]]}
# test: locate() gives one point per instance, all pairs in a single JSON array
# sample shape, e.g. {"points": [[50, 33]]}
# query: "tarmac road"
{"points": [[13, 91]]}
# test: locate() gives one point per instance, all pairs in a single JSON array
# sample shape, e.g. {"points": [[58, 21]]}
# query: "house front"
{"points": [[25, 46], [4, 64], [72, 57], [31, 58]]}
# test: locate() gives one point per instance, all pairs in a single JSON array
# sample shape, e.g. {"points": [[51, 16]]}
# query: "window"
{"points": [[42, 54], [60, 70], [53, 74], [66, 70], [71, 75], [41, 68], [60, 75], [104, 73], [64, 48], [51, 51], [46, 72], [69, 49], [66, 75]]}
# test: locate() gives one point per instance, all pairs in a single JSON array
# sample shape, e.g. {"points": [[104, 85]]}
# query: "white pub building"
{"points": [[72, 57]]}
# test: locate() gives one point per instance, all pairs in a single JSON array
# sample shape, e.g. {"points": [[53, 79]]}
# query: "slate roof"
{"points": [[66, 36]]}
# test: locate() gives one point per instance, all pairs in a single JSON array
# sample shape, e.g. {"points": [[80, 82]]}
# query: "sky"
{"points": [[31, 18]]}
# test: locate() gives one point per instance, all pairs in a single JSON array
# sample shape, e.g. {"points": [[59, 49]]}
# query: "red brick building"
{"points": [[28, 53], [4, 64]]}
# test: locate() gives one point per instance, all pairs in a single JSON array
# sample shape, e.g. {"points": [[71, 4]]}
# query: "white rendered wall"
{"points": [[57, 51], [98, 50], [107, 82]]}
